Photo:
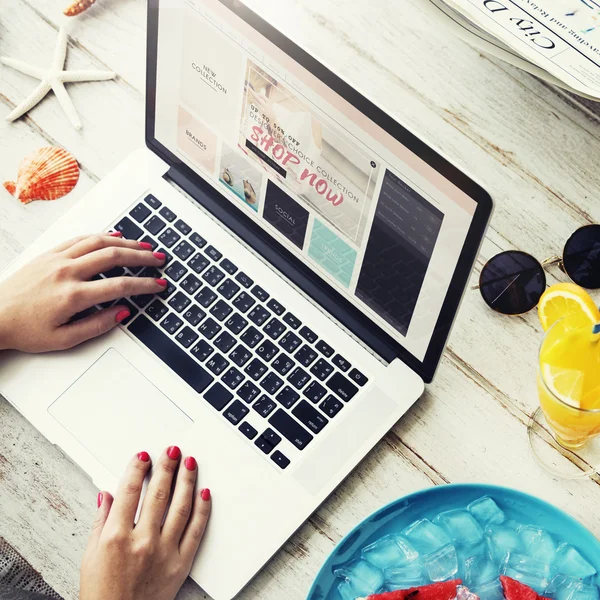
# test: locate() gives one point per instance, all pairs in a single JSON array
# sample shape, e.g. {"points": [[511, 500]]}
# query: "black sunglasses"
{"points": [[513, 282]]}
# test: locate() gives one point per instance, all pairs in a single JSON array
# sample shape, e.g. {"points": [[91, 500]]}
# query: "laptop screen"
{"points": [[366, 213]]}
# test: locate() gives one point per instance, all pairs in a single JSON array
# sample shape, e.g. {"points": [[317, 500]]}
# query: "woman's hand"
{"points": [[38, 302], [152, 559]]}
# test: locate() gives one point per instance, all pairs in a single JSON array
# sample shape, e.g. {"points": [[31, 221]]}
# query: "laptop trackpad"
{"points": [[114, 411]]}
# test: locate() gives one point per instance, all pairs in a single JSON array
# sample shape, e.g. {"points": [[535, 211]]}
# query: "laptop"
{"points": [[317, 255]]}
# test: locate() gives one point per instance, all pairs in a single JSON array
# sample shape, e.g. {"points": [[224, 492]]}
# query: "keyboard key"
{"points": [[228, 289], [309, 416], [129, 229], [232, 378], [305, 356], [220, 310], [186, 337], [244, 279], [169, 289], [280, 460], [169, 237], [274, 328], [341, 386], [287, 397], [151, 272], [191, 284], [168, 214], [244, 302], [213, 276], [198, 240], [340, 362], [168, 256], [171, 323], [143, 300], [213, 253], [155, 225], [140, 212], [293, 321], [206, 297], [275, 306], [314, 391], [157, 310], [209, 328], [271, 383], [218, 396], [217, 363], [152, 201], [179, 302], [198, 263], [193, 315], [183, 227], [264, 445], [299, 378], [235, 412], [225, 342], [251, 337], [331, 406], [236, 323], [133, 311], [183, 250], [240, 355], [248, 392], [171, 354], [271, 437], [264, 406], [283, 364], [290, 342], [175, 271], [259, 293], [248, 430], [256, 369], [309, 335], [290, 429], [258, 315], [202, 350], [322, 369], [114, 272], [267, 350], [150, 241], [356, 376], [228, 266]]}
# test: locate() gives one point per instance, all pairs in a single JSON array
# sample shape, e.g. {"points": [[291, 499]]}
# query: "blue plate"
{"points": [[397, 515]]}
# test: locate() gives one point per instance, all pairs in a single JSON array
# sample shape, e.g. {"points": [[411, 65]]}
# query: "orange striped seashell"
{"points": [[47, 173], [77, 7]]}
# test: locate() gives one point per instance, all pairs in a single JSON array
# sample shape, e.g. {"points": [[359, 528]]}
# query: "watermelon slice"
{"points": [[515, 590], [434, 591]]}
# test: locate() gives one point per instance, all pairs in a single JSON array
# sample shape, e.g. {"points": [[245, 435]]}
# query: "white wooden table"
{"points": [[535, 149]]}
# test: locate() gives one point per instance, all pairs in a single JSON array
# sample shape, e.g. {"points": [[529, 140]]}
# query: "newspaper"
{"points": [[557, 40]]}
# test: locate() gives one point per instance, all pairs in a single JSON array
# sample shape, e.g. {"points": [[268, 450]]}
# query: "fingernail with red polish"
{"points": [[173, 452], [145, 245], [190, 463], [122, 315], [162, 282], [159, 255], [100, 498], [115, 234], [144, 456], [205, 494]]}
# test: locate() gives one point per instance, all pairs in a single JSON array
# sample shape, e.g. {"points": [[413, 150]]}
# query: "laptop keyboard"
{"points": [[231, 340]]}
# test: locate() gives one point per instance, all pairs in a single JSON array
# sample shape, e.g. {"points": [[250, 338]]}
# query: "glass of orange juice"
{"points": [[568, 384]]}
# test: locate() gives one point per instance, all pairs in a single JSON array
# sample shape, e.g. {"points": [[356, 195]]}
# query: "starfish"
{"points": [[53, 78]]}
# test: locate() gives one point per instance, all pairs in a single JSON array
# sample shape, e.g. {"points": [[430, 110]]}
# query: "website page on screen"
{"points": [[369, 216]]}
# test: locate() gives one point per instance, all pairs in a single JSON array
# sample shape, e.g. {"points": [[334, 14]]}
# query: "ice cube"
{"points": [[479, 570], [462, 528], [388, 552], [530, 571], [469, 552], [487, 512], [442, 565], [501, 540], [563, 587], [364, 578], [426, 537], [490, 591], [403, 578], [346, 590], [568, 561], [537, 543]]}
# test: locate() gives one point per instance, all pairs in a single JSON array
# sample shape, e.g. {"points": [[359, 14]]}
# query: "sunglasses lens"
{"points": [[581, 257], [512, 282]]}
